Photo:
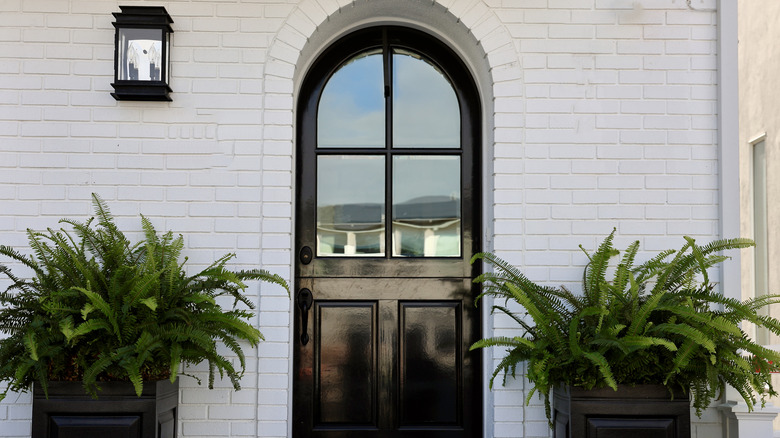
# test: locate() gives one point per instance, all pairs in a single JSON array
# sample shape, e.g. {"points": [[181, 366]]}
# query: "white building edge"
{"points": [[595, 114]]}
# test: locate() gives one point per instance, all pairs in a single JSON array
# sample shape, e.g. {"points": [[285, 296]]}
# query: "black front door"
{"points": [[387, 221]]}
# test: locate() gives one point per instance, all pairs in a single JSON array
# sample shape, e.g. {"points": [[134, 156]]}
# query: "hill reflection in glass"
{"points": [[426, 208]]}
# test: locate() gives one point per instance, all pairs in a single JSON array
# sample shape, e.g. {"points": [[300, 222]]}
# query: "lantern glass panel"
{"points": [[140, 56]]}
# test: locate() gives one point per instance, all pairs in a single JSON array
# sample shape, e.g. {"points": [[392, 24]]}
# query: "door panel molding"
{"points": [[346, 375]]}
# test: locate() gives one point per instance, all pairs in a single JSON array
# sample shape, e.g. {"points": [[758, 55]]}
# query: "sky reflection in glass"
{"points": [[350, 179], [351, 111], [425, 108], [425, 177]]}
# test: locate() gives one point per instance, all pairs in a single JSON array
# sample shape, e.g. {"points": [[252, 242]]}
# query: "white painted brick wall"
{"points": [[644, 69], [604, 115]]}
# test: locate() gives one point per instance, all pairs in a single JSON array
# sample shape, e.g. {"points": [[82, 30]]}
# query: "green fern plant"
{"points": [[99, 307], [658, 322]]}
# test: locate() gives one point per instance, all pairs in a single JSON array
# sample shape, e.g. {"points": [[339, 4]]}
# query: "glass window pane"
{"points": [[426, 206], [351, 112], [350, 205], [426, 113], [140, 57]]}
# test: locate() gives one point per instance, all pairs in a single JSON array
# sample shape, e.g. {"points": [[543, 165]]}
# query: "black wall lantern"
{"points": [[142, 53]]}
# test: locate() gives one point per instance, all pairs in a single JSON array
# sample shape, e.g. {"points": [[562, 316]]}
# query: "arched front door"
{"points": [[387, 219]]}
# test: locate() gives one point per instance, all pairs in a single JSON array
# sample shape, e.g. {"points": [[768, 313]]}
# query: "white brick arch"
{"points": [[470, 27]]}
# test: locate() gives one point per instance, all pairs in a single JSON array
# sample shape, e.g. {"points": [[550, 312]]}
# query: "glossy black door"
{"points": [[387, 221]]}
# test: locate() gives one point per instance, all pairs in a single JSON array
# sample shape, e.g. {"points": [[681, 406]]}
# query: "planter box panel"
{"points": [[79, 426], [640, 412], [117, 413], [633, 427]]}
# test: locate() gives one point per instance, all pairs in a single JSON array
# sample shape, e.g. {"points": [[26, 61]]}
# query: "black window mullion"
{"points": [[387, 40], [388, 81]]}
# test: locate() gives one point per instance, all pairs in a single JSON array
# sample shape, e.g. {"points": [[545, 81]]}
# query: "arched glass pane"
{"points": [[351, 112], [426, 113]]}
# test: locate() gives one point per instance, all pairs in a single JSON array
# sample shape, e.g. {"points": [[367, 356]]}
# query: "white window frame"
{"points": [[759, 224]]}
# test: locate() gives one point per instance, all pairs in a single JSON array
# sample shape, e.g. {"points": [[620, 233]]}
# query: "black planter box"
{"points": [[117, 413], [646, 411]]}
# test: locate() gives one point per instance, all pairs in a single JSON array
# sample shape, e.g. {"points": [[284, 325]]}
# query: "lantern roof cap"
{"points": [[143, 16]]}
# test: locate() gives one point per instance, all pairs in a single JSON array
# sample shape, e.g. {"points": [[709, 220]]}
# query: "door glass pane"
{"points": [[426, 206], [426, 113], [351, 112], [350, 205]]}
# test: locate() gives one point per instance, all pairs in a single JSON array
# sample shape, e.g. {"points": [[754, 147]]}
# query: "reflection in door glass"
{"points": [[425, 108], [426, 206], [429, 372], [351, 112], [350, 205], [346, 368]]}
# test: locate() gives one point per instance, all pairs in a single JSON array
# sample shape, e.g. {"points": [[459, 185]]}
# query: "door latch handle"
{"points": [[304, 301]]}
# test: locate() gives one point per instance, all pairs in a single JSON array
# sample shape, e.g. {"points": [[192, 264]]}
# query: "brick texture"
{"points": [[603, 115]]}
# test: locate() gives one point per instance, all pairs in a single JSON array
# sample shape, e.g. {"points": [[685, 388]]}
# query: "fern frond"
{"points": [[660, 321], [603, 366], [502, 341], [105, 307], [641, 342]]}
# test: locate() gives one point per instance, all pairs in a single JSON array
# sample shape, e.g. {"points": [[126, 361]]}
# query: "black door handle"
{"points": [[304, 301]]}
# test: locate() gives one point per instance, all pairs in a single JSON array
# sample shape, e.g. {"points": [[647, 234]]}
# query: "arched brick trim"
{"points": [[470, 27]]}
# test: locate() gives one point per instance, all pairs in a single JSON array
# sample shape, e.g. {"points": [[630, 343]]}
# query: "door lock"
{"points": [[305, 255]]}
